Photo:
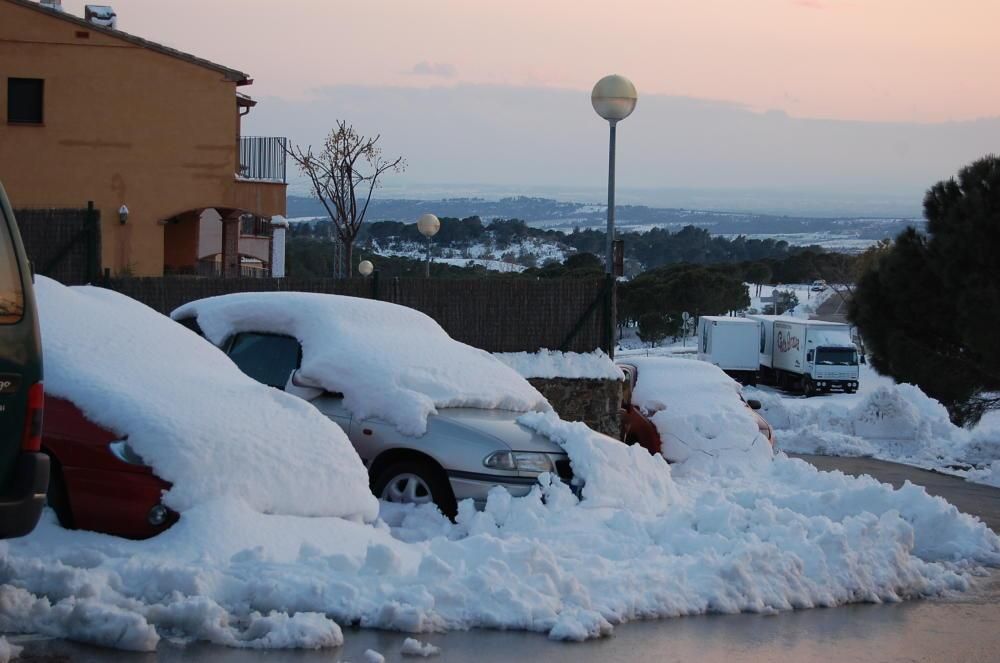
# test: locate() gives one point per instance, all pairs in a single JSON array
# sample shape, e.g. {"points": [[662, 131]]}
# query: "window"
{"points": [[11, 294], [25, 100], [837, 356], [267, 358]]}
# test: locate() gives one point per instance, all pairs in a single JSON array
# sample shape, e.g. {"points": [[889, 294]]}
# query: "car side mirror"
{"points": [[297, 386], [754, 404]]}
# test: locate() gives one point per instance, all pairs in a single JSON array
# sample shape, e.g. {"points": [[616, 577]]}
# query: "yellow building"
{"points": [[90, 113]]}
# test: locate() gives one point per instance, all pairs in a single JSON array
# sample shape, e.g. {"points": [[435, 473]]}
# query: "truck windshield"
{"points": [[837, 356], [11, 296]]}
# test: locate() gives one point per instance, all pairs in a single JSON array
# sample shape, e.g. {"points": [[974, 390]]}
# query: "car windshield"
{"points": [[837, 356], [11, 295]]}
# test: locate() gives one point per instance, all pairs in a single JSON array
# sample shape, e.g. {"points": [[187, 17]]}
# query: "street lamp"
{"points": [[365, 268], [428, 225], [614, 98]]}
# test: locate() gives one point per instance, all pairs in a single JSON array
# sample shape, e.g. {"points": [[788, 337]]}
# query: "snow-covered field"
{"points": [[639, 539], [504, 259], [888, 421]]}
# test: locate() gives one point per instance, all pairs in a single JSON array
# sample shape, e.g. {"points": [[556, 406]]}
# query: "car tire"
{"points": [[57, 497], [410, 481]]}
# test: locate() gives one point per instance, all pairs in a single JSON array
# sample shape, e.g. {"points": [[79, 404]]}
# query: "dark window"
{"points": [[25, 100], [267, 358]]}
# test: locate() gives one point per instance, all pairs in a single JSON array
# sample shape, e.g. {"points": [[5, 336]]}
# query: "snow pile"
{"points": [[613, 474], [191, 414], [8, 652], [885, 420], [389, 361], [413, 647], [781, 537], [697, 411], [555, 364]]}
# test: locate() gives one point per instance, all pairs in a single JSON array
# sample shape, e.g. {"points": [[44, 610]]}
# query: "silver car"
{"points": [[463, 454]]}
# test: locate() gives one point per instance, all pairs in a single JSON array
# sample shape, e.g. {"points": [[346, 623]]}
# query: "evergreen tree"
{"points": [[929, 308]]}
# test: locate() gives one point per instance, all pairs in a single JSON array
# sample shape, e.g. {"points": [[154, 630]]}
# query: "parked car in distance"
{"points": [[819, 285], [636, 424], [464, 452], [98, 483], [24, 470]]}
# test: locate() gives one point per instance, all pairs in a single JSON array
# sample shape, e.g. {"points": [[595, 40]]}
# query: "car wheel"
{"points": [[416, 482], [57, 497]]}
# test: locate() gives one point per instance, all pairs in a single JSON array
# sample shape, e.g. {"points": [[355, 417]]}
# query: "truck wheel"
{"points": [[416, 482], [808, 387]]}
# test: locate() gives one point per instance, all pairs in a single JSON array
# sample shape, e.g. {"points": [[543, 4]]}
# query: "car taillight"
{"points": [[32, 438]]}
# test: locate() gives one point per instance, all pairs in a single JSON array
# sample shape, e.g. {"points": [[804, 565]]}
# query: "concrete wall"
{"points": [[594, 402], [123, 124]]}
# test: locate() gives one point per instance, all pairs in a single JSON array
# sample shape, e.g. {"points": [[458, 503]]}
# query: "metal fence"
{"points": [[497, 315], [64, 244], [263, 158]]}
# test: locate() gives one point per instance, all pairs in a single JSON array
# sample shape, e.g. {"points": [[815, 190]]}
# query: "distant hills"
{"points": [[834, 233]]}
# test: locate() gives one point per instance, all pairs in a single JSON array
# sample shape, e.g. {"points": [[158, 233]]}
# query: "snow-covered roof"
{"points": [[696, 408], [389, 361], [555, 364], [194, 417]]}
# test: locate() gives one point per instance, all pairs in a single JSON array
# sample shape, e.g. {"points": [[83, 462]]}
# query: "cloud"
{"points": [[441, 69]]}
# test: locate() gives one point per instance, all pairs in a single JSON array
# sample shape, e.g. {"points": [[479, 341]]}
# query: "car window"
{"points": [[11, 294], [267, 358]]}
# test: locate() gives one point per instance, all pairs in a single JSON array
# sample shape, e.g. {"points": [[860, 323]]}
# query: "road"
{"points": [[834, 309], [951, 629]]}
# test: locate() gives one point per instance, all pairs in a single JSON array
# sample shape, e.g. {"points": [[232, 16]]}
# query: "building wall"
{"points": [[122, 125]]}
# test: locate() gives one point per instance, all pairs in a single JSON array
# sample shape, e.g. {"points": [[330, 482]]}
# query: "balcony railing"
{"points": [[263, 158]]}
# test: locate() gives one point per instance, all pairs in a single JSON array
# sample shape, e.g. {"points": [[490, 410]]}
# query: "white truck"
{"points": [[731, 344], [807, 355]]}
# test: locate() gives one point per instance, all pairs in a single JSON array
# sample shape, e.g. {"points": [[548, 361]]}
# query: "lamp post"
{"points": [[614, 98], [428, 225]]}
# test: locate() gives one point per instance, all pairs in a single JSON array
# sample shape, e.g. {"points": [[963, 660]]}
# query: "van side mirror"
{"points": [[754, 404]]}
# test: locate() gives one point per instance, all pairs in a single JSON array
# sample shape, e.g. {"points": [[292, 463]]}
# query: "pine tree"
{"points": [[929, 308]]}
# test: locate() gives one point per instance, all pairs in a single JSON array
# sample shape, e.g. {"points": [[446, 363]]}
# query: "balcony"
{"points": [[262, 159]]}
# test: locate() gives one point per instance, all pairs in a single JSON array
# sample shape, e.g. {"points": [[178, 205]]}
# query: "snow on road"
{"points": [[644, 540], [885, 420]]}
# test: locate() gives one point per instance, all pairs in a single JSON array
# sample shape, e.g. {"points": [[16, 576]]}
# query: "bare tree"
{"points": [[343, 175]]}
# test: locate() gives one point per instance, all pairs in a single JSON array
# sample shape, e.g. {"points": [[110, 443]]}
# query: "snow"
{"points": [[697, 411], [190, 413], [491, 265], [413, 647], [760, 539], [390, 362], [555, 364], [809, 301], [372, 656], [639, 539], [8, 651], [885, 420]]}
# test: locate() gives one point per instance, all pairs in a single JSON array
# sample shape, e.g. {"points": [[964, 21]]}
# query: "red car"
{"points": [[98, 483], [636, 428]]}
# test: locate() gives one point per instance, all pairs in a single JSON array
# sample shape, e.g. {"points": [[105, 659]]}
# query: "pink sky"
{"points": [[895, 60]]}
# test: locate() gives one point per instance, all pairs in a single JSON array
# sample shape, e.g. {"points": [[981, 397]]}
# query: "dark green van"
{"points": [[24, 470]]}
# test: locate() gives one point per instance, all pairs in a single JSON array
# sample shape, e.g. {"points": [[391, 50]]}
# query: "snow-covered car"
{"points": [[685, 407], [818, 285], [146, 422], [434, 420]]}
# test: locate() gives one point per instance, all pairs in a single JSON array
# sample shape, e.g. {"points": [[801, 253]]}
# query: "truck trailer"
{"points": [[731, 344], [810, 356]]}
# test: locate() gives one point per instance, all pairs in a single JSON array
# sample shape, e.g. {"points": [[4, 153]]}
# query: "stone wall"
{"points": [[594, 402]]}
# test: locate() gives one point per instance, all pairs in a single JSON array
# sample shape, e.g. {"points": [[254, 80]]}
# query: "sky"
{"points": [[900, 75]]}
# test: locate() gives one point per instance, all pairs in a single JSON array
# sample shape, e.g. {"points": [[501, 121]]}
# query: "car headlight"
{"points": [[519, 461]]}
